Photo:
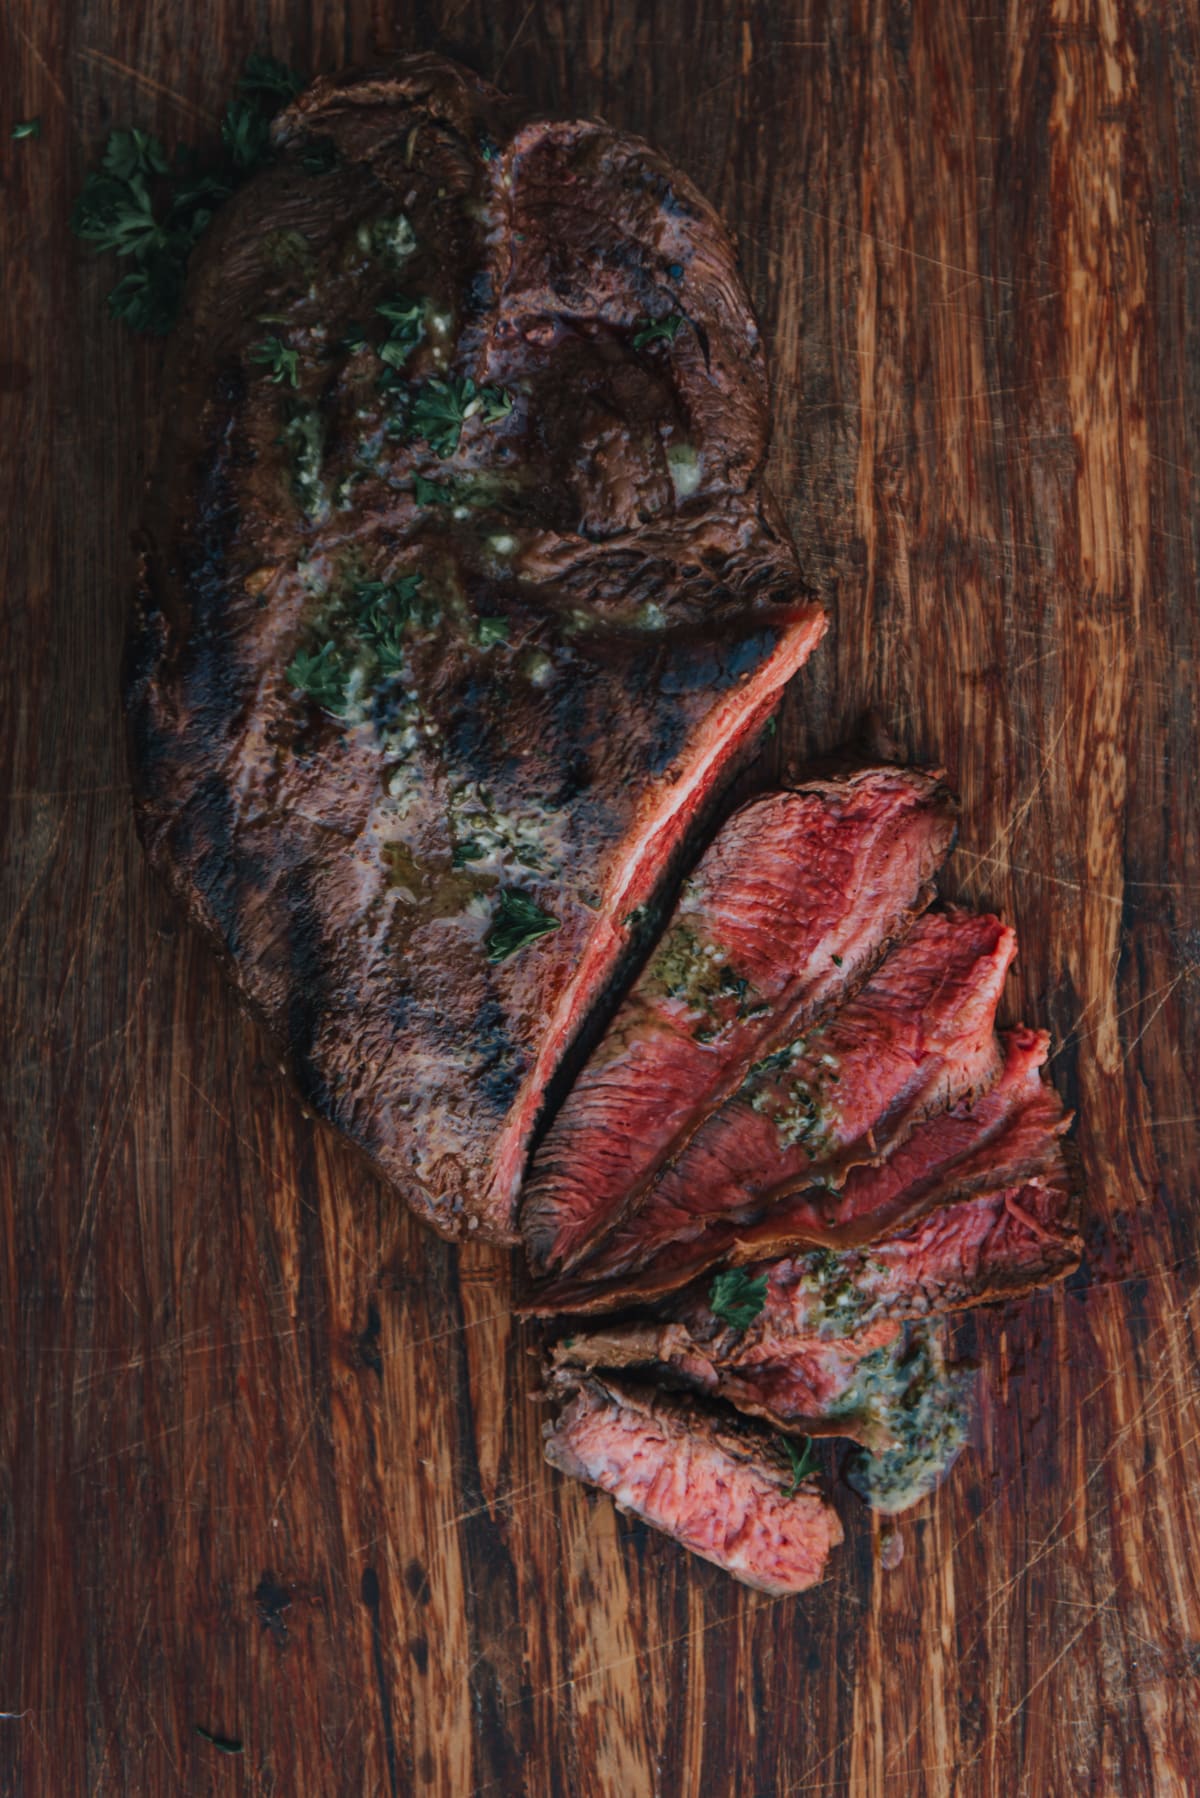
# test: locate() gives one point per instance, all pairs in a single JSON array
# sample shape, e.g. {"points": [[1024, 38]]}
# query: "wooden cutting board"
{"points": [[269, 1465]]}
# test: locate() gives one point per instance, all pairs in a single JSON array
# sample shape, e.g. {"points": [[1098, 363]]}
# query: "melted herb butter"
{"points": [[836, 1285], [698, 973], [502, 842], [303, 440], [802, 1111], [921, 1406], [391, 238], [282, 250], [683, 464]]}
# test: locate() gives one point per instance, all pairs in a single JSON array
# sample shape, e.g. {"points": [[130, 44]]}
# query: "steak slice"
{"points": [[725, 1491], [460, 591], [1005, 1138], [796, 1390], [792, 904], [918, 1035]]}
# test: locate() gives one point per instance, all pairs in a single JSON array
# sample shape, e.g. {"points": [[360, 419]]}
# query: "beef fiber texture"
{"points": [[460, 591]]}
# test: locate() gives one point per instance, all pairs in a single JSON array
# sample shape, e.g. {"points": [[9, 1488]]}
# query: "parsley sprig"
{"points": [[654, 330], [440, 409], [519, 921], [737, 1297], [274, 354], [801, 1463], [27, 128], [321, 674], [140, 206]]}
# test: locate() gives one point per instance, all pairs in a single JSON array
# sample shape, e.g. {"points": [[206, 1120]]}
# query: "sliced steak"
{"points": [[460, 591], [791, 905], [919, 1035], [799, 1389], [1005, 1138], [726, 1492]]}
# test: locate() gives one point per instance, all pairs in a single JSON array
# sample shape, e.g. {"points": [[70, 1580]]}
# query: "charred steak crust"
{"points": [[460, 588]]}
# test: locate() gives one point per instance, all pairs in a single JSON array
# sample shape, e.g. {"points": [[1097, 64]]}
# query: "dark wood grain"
{"points": [[268, 1468]]}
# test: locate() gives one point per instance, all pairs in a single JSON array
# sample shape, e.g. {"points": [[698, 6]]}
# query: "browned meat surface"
{"points": [[726, 1492], [919, 1035], [791, 905], [1007, 1137], [797, 1389], [461, 589]]}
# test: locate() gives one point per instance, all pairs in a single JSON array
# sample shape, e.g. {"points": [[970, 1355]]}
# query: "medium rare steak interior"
{"points": [[461, 602]]}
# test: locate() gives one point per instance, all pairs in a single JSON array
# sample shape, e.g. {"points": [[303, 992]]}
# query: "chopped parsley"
{"points": [[431, 493], [801, 1463], [139, 205], [737, 1297], [383, 612], [441, 408], [272, 353], [321, 675], [519, 921], [407, 327], [492, 630], [27, 128], [654, 330]]}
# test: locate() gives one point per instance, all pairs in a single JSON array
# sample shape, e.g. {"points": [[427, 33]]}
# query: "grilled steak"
{"points": [[919, 1035], [725, 1491], [793, 902], [460, 592], [1008, 1136]]}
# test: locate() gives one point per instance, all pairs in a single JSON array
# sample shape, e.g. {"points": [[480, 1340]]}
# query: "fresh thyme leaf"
{"points": [[274, 354], [320, 675], [266, 79], [354, 340], [737, 1297], [519, 921], [492, 630], [27, 128], [801, 1463], [653, 329]]}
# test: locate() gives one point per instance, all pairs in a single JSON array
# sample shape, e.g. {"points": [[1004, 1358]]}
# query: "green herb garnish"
{"points": [[519, 921], [800, 1463], [467, 852], [652, 330], [407, 321], [441, 408], [492, 630], [320, 675], [27, 128], [223, 1744], [385, 609], [431, 493], [268, 81], [138, 205], [737, 1297], [274, 354]]}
